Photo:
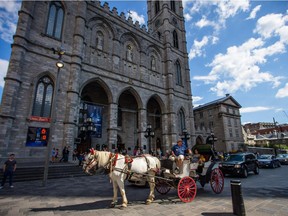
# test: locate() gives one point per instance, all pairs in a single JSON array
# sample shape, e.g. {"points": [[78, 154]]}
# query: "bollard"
{"points": [[237, 199]]}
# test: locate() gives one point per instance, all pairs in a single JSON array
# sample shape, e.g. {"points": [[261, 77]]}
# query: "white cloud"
{"points": [[136, 17], [223, 10], [273, 25], [254, 12], [3, 71], [196, 49], [196, 98], [254, 109], [283, 92], [187, 16], [204, 22], [238, 68], [8, 19]]}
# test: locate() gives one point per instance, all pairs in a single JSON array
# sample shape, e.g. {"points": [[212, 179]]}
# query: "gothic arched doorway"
{"points": [[93, 116]]}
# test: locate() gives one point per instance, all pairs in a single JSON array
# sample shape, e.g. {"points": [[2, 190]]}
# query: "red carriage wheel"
{"points": [[162, 186], [187, 189], [217, 180]]}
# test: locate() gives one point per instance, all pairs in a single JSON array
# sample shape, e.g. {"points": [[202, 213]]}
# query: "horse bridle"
{"points": [[89, 165]]}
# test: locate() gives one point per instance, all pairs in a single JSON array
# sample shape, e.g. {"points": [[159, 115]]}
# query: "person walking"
{"points": [[8, 170]]}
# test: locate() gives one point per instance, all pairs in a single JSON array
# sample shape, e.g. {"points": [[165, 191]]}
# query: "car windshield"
{"points": [[235, 158], [283, 156], [265, 157]]}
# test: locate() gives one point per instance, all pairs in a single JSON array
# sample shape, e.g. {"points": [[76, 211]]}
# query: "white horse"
{"points": [[120, 167]]}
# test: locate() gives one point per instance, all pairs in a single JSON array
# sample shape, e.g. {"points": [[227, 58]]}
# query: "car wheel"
{"points": [[256, 171], [245, 173], [273, 165]]}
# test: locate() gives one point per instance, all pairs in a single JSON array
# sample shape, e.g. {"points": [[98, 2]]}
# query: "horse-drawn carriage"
{"points": [[192, 172], [159, 174]]}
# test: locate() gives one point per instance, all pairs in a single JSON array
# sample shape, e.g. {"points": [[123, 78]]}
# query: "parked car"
{"points": [[283, 158], [268, 160], [240, 164]]}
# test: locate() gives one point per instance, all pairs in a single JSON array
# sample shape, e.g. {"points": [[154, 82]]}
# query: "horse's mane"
{"points": [[103, 157]]}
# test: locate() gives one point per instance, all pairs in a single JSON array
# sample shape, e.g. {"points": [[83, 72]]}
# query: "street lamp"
{"points": [[59, 64], [185, 135], [213, 139], [88, 127], [149, 133]]}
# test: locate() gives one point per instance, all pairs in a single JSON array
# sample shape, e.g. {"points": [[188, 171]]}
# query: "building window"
{"points": [[211, 125], [43, 97], [229, 121], [201, 115], [55, 20], [175, 39], [178, 74], [181, 120], [237, 133], [230, 132], [235, 122], [172, 4], [157, 7]]}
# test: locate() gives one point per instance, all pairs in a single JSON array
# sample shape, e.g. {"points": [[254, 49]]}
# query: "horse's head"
{"points": [[90, 162]]}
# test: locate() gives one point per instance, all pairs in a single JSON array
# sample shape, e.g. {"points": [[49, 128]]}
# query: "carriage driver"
{"points": [[178, 153]]}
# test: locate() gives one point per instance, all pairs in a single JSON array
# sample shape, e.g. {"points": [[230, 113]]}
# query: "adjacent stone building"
{"points": [[222, 118], [117, 78]]}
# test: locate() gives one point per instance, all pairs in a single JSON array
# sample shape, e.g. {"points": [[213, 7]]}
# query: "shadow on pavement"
{"points": [[104, 204]]}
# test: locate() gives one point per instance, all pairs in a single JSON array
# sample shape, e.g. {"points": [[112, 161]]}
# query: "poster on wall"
{"points": [[95, 112], [37, 137]]}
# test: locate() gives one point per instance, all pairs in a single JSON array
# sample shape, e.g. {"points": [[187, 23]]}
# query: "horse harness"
{"points": [[110, 166]]}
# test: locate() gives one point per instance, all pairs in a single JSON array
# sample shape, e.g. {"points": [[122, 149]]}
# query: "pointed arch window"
{"points": [[181, 117], [43, 97], [172, 4], [175, 39], [178, 73], [55, 20], [157, 7]]}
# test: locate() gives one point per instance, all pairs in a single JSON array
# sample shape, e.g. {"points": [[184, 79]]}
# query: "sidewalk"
{"points": [[91, 195]]}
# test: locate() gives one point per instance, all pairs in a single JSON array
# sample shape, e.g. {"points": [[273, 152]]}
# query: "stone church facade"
{"points": [[131, 75]]}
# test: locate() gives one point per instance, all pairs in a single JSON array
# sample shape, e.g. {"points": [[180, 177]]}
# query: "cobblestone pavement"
{"points": [[91, 195]]}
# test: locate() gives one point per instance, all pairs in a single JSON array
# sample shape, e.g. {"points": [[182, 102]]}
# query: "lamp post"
{"points": [[149, 133], [88, 126], [213, 139], [185, 135], [59, 64]]}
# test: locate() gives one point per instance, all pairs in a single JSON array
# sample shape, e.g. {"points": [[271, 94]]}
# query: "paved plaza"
{"points": [[91, 195]]}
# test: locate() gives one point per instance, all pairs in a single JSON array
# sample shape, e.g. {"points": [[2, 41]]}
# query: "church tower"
{"points": [[166, 20]]}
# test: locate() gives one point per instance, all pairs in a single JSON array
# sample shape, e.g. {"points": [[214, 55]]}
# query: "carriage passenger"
{"points": [[178, 153]]}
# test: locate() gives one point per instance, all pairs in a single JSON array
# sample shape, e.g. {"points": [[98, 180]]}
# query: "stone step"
{"points": [[29, 173]]}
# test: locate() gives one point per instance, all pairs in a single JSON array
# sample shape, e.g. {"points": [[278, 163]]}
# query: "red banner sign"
{"points": [[39, 119]]}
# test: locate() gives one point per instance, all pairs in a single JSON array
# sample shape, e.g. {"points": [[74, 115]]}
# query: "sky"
{"points": [[236, 47]]}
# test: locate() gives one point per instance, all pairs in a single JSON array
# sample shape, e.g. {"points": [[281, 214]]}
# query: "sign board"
{"points": [[37, 137]]}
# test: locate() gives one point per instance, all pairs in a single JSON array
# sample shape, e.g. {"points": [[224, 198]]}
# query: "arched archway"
{"points": [[154, 117], [94, 105], [127, 121]]}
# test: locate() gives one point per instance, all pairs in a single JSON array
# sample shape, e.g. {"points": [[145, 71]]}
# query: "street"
{"points": [[263, 194]]}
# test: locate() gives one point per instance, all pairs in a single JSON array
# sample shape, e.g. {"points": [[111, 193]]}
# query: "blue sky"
{"points": [[235, 47]]}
